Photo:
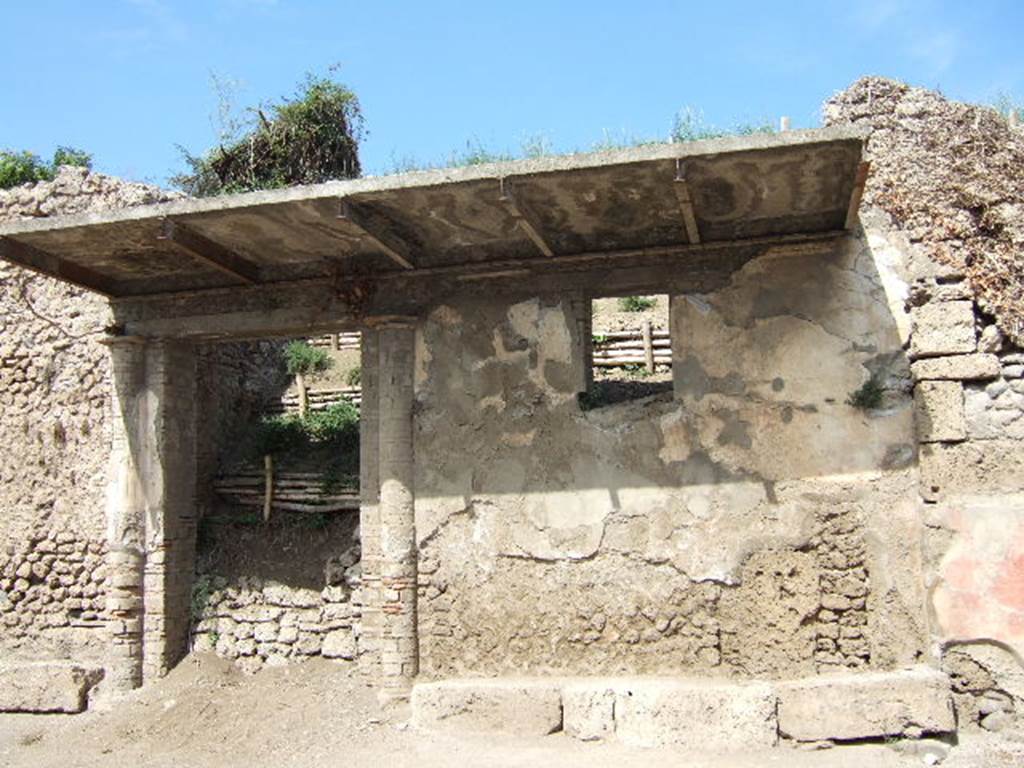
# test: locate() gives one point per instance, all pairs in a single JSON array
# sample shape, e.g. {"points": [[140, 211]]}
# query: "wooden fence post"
{"points": [[648, 347]]}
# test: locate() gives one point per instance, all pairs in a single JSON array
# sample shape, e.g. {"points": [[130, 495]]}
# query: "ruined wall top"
{"points": [[77, 190], [949, 176]]}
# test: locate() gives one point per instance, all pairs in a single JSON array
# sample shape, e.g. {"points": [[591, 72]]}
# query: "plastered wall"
{"points": [[750, 523]]}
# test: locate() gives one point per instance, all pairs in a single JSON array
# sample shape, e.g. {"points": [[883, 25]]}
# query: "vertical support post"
{"points": [[168, 443], [648, 346], [398, 566], [151, 508], [125, 512], [583, 343], [335, 342], [368, 640]]}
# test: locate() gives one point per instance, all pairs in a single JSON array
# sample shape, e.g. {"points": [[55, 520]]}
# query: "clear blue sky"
{"points": [[130, 79]]}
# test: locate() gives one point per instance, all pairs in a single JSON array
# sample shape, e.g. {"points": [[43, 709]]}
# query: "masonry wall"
{"points": [[753, 523]]}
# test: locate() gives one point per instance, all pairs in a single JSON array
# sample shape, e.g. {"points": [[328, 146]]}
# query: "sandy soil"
{"points": [[609, 317], [207, 714]]}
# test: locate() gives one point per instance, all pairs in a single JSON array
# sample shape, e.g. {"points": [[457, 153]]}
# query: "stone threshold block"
{"points": [[43, 687], [508, 706], [716, 715], [869, 705], [708, 714]]}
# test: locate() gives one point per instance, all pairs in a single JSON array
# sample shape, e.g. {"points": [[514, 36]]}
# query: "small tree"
{"points": [[303, 360]]}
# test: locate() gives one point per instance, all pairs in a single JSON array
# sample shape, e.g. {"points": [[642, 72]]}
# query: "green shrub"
{"points": [[635, 303], [25, 167], [868, 395], [310, 138], [354, 377], [300, 357], [335, 428]]}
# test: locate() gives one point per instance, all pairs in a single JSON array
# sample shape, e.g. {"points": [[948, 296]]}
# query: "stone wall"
{"points": [[753, 524], [271, 592], [55, 426], [942, 212], [55, 432]]}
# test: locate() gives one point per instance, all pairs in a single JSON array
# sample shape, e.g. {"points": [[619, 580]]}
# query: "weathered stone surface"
{"points": [[866, 705], [704, 714], [339, 644], [939, 411], [974, 367], [969, 467], [588, 710], [46, 687], [515, 707], [943, 328]]}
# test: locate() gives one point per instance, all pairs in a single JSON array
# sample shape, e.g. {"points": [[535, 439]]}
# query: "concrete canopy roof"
{"points": [[716, 192]]}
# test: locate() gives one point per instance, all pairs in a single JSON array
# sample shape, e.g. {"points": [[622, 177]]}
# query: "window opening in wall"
{"points": [[630, 350]]}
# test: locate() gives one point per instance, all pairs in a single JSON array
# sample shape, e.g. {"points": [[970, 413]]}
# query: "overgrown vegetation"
{"points": [[690, 125], [310, 138], [868, 396], [300, 357], [25, 167], [1006, 106], [636, 303], [334, 431], [354, 377]]}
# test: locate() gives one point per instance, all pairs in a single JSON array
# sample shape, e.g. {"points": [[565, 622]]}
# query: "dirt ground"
{"points": [[207, 714]]}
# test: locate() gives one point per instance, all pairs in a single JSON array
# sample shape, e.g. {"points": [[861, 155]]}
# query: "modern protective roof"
{"points": [[715, 192]]}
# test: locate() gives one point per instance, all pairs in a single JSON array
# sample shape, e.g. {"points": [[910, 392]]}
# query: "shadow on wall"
{"points": [[763, 373]]}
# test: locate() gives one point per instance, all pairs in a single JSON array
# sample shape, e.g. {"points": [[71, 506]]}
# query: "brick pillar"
{"points": [[368, 639], [399, 646], [169, 433], [150, 508], [125, 511]]}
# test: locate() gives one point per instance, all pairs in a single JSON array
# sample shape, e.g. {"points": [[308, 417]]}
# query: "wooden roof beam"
{"points": [[397, 250], [524, 221], [858, 191], [32, 258], [209, 252], [685, 200]]}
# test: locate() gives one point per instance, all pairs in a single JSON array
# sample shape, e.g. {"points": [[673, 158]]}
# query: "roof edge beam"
{"points": [[524, 221], [863, 169], [395, 248], [44, 263], [685, 200], [209, 251]]}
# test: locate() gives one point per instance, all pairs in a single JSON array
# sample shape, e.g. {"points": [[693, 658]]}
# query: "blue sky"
{"points": [[129, 80]]}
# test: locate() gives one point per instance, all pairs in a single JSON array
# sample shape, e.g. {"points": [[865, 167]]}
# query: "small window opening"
{"points": [[630, 350]]}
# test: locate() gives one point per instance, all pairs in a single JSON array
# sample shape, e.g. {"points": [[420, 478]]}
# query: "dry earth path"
{"points": [[207, 714]]}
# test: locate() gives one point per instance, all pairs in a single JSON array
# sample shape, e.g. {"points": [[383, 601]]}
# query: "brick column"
{"points": [[368, 639], [150, 508], [125, 511], [169, 477], [399, 646]]}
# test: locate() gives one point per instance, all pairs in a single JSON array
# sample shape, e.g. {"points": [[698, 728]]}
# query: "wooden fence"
{"points": [[319, 399], [289, 492], [646, 346]]}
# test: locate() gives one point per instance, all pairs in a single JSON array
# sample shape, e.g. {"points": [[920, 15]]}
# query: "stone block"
{"points": [[943, 328], [713, 715], [866, 705], [588, 711], [971, 467], [977, 367], [939, 411], [339, 644], [46, 687], [517, 707]]}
